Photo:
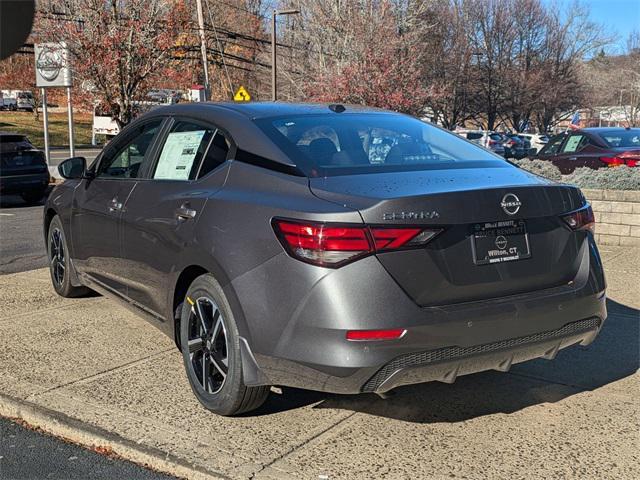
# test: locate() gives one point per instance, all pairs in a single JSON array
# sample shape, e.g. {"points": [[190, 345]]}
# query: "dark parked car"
{"points": [[514, 146], [593, 148], [23, 168], [282, 244]]}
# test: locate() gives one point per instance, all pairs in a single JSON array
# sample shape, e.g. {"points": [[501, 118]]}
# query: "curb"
{"points": [[73, 430]]}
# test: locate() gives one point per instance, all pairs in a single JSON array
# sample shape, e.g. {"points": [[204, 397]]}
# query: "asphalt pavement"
{"points": [[28, 454], [22, 245]]}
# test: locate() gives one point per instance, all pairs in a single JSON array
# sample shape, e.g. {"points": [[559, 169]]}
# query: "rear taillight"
{"points": [[332, 245], [582, 219], [631, 159]]}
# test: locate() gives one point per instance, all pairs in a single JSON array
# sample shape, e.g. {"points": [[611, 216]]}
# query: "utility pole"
{"points": [[203, 50], [274, 67]]}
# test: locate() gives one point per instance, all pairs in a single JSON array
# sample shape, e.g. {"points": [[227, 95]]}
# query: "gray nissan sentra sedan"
{"points": [[326, 247]]}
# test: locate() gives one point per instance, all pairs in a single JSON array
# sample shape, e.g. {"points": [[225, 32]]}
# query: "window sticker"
{"points": [[178, 154], [572, 143]]}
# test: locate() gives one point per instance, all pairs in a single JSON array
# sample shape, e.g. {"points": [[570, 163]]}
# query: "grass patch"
{"points": [[25, 123]]}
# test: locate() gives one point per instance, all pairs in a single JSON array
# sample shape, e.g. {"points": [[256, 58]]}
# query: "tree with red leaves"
{"points": [[378, 64], [116, 46]]}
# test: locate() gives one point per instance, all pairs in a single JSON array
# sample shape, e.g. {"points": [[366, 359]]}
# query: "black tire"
{"points": [[33, 196], [59, 264], [205, 347]]}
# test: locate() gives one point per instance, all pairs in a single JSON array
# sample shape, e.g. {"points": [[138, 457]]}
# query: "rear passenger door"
{"points": [[161, 214]]}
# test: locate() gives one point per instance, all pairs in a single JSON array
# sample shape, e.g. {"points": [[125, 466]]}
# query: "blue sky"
{"points": [[620, 17]]}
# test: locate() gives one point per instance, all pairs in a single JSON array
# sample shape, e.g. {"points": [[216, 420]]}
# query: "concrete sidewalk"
{"points": [[91, 371]]}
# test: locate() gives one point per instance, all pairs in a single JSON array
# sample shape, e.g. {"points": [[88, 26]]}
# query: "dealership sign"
{"points": [[52, 65]]}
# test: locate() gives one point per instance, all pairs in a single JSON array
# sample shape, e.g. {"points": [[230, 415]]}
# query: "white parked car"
{"points": [[491, 140], [537, 140]]}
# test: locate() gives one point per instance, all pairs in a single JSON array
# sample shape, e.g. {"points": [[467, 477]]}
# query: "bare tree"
{"points": [[570, 37], [367, 60], [446, 57]]}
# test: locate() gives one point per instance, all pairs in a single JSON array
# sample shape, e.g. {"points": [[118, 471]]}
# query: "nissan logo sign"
{"points": [[49, 63], [510, 204]]}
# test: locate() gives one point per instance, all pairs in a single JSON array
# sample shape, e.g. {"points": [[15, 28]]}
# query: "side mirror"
{"points": [[73, 168]]}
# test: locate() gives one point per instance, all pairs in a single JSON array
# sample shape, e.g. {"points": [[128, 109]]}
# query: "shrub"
{"points": [[540, 167], [618, 178]]}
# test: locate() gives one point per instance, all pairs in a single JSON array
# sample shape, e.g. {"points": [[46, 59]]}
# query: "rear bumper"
{"points": [[16, 184], [304, 344], [446, 364]]}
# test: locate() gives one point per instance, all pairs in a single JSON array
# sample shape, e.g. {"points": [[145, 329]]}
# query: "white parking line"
{"points": [[7, 214]]}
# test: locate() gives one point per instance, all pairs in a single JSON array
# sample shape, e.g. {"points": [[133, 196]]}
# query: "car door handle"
{"points": [[115, 205], [573, 158], [185, 213]]}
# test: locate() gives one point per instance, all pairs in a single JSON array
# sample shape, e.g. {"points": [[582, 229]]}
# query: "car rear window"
{"points": [[622, 139], [347, 144]]}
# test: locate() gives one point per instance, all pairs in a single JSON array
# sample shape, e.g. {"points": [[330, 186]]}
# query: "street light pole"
{"points": [[274, 67]]}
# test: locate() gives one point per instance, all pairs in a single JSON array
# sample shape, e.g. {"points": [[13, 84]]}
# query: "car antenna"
{"points": [[336, 107]]}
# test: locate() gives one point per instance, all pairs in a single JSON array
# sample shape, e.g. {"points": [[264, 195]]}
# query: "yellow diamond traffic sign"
{"points": [[242, 95]]}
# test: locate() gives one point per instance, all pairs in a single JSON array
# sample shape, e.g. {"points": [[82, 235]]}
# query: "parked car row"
{"points": [[17, 100], [508, 145], [587, 147]]}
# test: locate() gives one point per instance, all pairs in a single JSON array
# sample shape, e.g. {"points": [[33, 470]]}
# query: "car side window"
{"points": [[553, 145], [127, 161], [183, 151], [216, 154], [574, 143]]}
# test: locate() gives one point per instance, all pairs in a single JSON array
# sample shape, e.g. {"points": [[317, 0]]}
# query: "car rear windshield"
{"points": [[347, 144], [622, 138]]}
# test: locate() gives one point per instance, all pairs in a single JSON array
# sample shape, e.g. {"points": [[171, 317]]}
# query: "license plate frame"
{"points": [[499, 242]]}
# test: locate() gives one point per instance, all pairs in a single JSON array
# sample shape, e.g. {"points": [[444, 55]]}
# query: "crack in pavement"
{"points": [[306, 442], [123, 366]]}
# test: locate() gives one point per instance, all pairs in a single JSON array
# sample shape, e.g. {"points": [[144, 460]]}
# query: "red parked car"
{"points": [[593, 148]]}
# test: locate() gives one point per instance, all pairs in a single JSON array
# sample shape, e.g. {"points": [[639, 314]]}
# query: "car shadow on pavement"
{"points": [[614, 355], [16, 201]]}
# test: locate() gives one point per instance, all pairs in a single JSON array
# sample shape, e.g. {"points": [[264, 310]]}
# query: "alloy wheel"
{"points": [[207, 343], [56, 246]]}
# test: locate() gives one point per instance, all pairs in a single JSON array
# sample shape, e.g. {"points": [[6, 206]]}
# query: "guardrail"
{"points": [[617, 215]]}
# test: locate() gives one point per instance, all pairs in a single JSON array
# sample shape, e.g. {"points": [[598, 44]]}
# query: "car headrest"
{"points": [[323, 150]]}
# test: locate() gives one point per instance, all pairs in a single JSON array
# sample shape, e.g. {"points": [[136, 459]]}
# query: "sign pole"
{"points": [[72, 148], [45, 120]]}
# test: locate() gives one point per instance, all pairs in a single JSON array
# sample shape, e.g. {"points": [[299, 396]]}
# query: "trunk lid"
{"points": [[462, 201]]}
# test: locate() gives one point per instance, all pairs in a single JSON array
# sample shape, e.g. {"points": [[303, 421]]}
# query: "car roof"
{"points": [[236, 120], [276, 109], [606, 129], [255, 110]]}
